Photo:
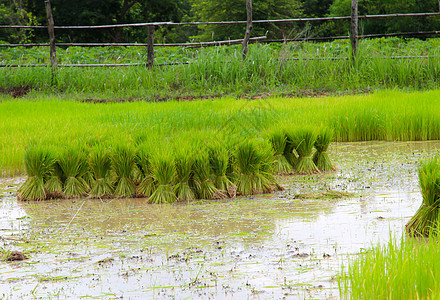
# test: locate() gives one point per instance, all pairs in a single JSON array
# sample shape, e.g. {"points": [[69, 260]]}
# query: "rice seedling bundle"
{"points": [[203, 184], [303, 141], [143, 161], [164, 173], [184, 175], [219, 159], [289, 150], [123, 160], [73, 163], [279, 140], [426, 219], [320, 157], [39, 164], [100, 168], [252, 165]]}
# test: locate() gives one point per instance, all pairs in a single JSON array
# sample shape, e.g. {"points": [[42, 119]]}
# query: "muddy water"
{"points": [[262, 247]]}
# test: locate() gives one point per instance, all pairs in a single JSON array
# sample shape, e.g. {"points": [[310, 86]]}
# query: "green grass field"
{"points": [[295, 68], [385, 115]]}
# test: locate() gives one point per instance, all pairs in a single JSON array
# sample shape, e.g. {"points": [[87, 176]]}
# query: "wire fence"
{"points": [[150, 45]]}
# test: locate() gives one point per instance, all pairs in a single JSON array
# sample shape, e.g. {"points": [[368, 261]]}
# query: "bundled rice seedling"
{"points": [[303, 141], [253, 162], [73, 163], [164, 173], [203, 184], [39, 164], [143, 161], [426, 219], [289, 150], [100, 169], [219, 160], [184, 174], [279, 142], [320, 157], [54, 185], [123, 160]]}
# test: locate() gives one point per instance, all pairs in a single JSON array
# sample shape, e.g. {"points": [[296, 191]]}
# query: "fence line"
{"points": [[151, 28]]}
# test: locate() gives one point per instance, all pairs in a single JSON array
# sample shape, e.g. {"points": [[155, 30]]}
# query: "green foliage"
{"points": [[100, 168], [123, 160], [278, 140], [320, 157], [303, 142], [39, 163], [143, 161], [184, 175], [219, 160], [203, 183], [426, 219], [73, 163], [164, 173]]}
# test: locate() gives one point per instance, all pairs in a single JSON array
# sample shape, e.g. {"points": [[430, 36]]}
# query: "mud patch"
{"points": [[16, 92]]}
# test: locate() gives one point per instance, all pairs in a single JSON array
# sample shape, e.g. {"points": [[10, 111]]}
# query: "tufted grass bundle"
{"points": [[303, 141], [164, 173], [123, 160], [184, 175], [100, 169], [74, 165], [278, 141], [147, 184], [203, 184], [426, 219], [219, 159], [39, 164], [320, 157]]}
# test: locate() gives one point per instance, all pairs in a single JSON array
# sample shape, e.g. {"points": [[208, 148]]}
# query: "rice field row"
{"points": [[385, 115]]}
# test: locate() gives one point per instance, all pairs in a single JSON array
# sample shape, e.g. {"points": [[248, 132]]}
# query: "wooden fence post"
{"points": [[50, 28], [354, 29], [150, 46], [247, 35]]}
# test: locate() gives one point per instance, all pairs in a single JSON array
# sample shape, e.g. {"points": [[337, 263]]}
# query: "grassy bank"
{"points": [[291, 69], [400, 270], [386, 115]]}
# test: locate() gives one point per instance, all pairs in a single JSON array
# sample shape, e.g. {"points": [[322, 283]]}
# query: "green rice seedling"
{"points": [[289, 150], [253, 165], [100, 169], [184, 175], [279, 141], [219, 159], [54, 184], [320, 157], [304, 140], [203, 184], [123, 161], [426, 218], [164, 173], [39, 164], [147, 184], [73, 163]]}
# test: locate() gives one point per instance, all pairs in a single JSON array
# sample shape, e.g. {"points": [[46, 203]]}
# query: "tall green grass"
{"points": [[407, 269], [221, 70], [385, 115]]}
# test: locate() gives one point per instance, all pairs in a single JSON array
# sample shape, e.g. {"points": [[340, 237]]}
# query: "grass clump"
{"points": [[203, 184], [100, 168], [426, 219], [164, 173], [320, 157], [39, 164], [184, 175], [253, 162], [281, 161], [73, 163], [123, 160], [219, 160], [147, 185], [409, 269], [303, 141]]}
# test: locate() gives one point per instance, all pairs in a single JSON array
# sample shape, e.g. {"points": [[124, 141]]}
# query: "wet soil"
{"points": [[16, 91], [262, 247]]}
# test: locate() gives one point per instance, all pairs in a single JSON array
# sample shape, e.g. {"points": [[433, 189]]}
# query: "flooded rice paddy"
{"points": [[290, 244]]}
